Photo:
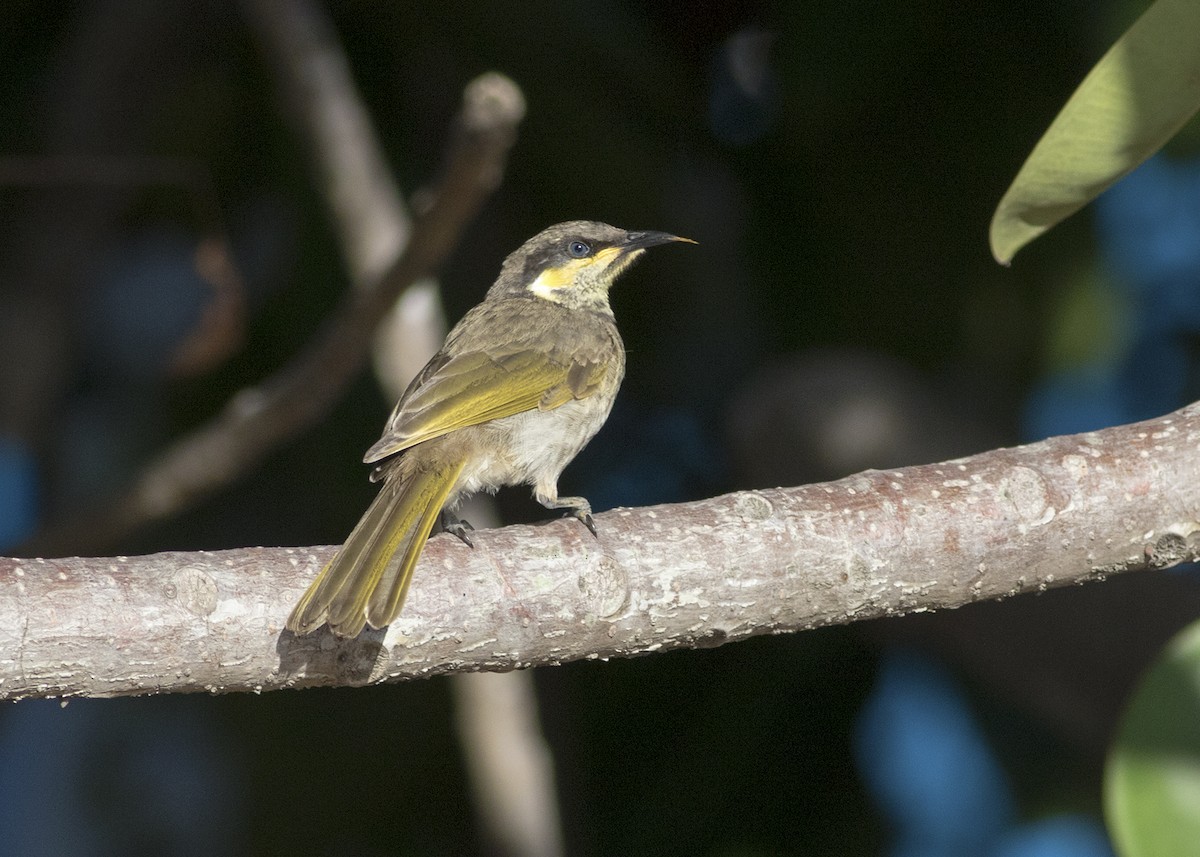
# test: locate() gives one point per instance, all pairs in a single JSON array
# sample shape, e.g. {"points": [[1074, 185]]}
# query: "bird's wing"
{"points": [[467, 389]]}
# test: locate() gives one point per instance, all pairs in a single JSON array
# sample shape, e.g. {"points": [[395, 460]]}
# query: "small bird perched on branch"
{"points": [[521, 384]]}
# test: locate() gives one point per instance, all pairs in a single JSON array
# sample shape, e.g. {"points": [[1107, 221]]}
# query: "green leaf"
{"points": [[1152, 779], [1134, 100]]}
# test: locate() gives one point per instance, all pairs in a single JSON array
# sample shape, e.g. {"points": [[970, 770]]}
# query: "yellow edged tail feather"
{"points": [[367, 579]]}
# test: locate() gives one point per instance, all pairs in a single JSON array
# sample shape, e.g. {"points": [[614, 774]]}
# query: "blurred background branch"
{"points": [[258, 419]]}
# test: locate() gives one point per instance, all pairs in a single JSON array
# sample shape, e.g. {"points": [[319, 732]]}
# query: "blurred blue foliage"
{"points": [[1148, 229], [644, 456], [18, 492], [143, 303], [1075, 400], [927, 763], [1060, 836], [930, 769], [105, 777]]}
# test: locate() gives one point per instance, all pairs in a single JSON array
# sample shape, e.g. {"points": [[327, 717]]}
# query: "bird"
{"points": [[521, 384]]}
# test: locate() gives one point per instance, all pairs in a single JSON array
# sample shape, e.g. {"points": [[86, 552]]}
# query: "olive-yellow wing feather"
{"points": [[473, 388]]}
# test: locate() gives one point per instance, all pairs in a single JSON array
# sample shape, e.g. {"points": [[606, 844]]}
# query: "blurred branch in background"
{"points": [[257, 420], [509, 761], [317, 87], [1065, 510]]}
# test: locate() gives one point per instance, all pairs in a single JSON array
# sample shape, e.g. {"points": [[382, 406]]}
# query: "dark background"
{"points": [[842, 311]]}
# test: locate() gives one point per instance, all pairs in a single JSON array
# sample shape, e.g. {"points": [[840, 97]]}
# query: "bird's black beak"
{"points": [[642, 240]]}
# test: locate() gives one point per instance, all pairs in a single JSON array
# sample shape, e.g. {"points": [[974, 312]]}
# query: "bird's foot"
{"points": [[577, 507], [457, 527]]}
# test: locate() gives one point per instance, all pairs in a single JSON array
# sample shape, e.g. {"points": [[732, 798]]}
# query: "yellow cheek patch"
{"points": [[552, 279]]}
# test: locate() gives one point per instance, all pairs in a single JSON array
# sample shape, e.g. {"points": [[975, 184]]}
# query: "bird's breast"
{"points": [[533, 446]]}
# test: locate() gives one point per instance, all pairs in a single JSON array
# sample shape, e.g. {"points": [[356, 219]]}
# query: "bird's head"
{"points": [[575, 263]]}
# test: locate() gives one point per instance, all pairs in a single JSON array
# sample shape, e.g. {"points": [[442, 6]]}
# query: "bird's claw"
{"points": [[586, 519], [458, 528]]}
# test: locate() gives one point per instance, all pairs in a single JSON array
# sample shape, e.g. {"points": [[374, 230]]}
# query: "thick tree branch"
{"points": [[880, 543]]}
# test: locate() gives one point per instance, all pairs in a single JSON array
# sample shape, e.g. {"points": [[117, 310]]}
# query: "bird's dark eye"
{"points": [[579, 249]]}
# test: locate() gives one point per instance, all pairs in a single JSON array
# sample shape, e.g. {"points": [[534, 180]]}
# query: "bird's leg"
{"points": [[577, 507], [456, 526]]}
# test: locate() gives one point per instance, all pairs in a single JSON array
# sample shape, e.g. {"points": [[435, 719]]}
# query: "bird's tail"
{"points": [[367, 579]]}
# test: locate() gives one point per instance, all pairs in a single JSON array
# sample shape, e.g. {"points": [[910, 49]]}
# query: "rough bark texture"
{"points": [[1065, 510]]}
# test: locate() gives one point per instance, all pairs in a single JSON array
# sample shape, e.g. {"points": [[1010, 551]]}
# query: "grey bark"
{"points": [[1066, 510]]}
